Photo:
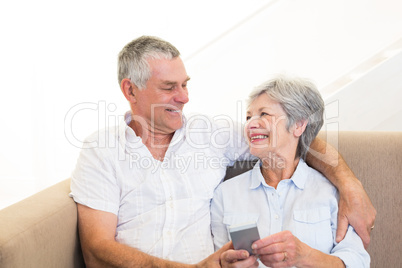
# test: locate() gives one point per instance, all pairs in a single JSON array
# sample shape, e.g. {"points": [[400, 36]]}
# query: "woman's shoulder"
{"points": [[238, 180], [316, 178]]}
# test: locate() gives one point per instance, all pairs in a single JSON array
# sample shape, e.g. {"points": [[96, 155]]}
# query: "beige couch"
{"points": [[41, 231]]}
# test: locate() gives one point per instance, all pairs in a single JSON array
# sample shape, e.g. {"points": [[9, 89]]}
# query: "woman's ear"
{"points": [[128, 88], [300, 127]]}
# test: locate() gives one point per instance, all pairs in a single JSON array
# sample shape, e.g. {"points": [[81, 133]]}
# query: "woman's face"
{"points": [[266, 130]]}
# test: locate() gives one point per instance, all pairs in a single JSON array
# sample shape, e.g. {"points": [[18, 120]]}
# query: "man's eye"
{"points": [[170, 88], [263, 114], [248, 118]]}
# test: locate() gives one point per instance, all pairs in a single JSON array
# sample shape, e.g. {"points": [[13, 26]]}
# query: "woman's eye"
{"points": [[263, 114], [248, 118]]}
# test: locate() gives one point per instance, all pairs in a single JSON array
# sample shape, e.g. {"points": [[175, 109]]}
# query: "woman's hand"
{"points": [[283, 249]]}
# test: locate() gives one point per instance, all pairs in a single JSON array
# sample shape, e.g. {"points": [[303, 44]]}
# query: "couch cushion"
{"points": [[41, 231]]}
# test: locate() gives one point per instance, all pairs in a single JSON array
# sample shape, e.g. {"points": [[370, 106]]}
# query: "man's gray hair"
{"points": [[300, 100], [133, 58]]}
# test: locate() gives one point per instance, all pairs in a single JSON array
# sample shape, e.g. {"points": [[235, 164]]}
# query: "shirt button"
{"points": [[276, 216]]}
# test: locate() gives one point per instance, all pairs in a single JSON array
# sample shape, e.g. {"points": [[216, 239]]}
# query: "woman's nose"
{"points": [[254, 122]]}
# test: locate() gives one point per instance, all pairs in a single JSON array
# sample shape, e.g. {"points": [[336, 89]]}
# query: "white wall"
{"points": [[60, 56], [371, 95]]}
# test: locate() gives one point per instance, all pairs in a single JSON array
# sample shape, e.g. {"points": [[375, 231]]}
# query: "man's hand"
{"points": [[237, 258], [356, 209], [214, 259]]}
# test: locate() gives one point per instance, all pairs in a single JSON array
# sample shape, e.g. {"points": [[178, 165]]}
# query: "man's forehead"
{"points": [[168, 71]]}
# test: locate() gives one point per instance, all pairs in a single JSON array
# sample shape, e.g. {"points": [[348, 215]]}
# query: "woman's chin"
{"points": [[262, 154]]}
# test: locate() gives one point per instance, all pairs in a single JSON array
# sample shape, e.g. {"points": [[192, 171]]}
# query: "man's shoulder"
{"points": [[198, 121], [101, 138], [219, 130]]}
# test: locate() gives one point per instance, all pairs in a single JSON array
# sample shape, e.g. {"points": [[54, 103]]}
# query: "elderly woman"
{"points": [[295, 207]]}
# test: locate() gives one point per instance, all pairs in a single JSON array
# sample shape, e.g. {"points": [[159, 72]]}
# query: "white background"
{"points": [[58, 57]]}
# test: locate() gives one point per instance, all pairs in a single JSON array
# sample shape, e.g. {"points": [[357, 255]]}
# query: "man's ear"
{"points": [[128, 88], [300, 127]]}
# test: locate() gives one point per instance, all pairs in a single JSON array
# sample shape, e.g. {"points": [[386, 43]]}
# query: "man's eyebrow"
{"points": [[173, 82]]}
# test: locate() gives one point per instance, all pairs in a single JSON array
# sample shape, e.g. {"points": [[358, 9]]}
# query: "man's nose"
{"points": [[182, 95]]}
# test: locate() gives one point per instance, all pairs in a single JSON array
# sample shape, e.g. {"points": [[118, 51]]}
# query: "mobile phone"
{"points": [[244, 235]]}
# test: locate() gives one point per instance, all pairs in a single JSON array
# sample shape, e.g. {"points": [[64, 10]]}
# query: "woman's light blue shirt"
{"points": [[306, 204]]}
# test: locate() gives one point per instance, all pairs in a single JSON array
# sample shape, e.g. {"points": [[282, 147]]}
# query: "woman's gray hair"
{"points": [[300, 100], [133, 58]]}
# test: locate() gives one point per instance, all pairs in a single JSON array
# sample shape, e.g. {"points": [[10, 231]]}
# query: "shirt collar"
{"points": [[299, 177], [256, 176], [128, 136]]}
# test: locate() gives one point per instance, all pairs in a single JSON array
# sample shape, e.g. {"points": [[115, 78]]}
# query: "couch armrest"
{"points": [[41, 231]]}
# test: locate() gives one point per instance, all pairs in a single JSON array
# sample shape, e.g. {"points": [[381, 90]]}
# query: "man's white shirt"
{"points": [[163, 208]]}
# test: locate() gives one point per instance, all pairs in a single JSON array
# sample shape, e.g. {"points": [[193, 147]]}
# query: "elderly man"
{"points": [[137, 205]]}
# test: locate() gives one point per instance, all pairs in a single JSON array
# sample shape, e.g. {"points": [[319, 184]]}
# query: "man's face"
{"points": [[161, 103]]}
